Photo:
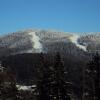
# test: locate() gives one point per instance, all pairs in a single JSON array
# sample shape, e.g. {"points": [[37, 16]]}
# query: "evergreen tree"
{"points": [[92, 87], [59, 83], [43, 79], [52, 83], [8, 88]]}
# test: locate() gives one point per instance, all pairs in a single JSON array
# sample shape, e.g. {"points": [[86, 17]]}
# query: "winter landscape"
{"points": [[49, 49], [50, 65]]}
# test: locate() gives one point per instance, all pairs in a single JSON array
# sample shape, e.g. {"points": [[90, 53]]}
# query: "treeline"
{"points": [[51, 83], [52, 80], [91, 79]]}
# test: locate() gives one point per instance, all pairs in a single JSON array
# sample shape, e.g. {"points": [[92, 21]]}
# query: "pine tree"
{"points": [[59, 83], [7, 84], [93, 78], [43, 79], [52, 83]]}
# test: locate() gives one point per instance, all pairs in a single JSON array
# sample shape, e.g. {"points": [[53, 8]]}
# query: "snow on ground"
{"points": [[36, 41], [74, 39], [25, 88]]}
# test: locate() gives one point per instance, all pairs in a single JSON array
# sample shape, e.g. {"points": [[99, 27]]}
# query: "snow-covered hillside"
{"points": [[36, 41], [74, 38]]}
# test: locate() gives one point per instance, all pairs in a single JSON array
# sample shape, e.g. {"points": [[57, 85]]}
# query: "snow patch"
{"points": [[36, 42], [26, 88], [74, 39]]}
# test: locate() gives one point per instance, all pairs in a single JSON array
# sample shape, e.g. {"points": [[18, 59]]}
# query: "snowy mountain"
{"points": [[36, 41], [91, 41]]}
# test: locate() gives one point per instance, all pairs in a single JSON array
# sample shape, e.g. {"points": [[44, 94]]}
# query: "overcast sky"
{"points": [[61, 15]]}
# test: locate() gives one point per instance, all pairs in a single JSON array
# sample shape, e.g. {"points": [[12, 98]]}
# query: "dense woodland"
{"points": [[56, 77]]}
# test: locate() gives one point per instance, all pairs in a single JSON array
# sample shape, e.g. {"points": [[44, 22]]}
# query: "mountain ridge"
{"points": [[36, 41]]}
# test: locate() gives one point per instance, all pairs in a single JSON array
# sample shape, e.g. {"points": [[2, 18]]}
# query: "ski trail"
{"points": [[36, 42], [74, 39]]}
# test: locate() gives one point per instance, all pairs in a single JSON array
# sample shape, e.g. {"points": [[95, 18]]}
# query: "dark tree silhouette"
{"points": [[59, 83], [52, 83], [8, 87], [43, 79], [92, 78]]}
